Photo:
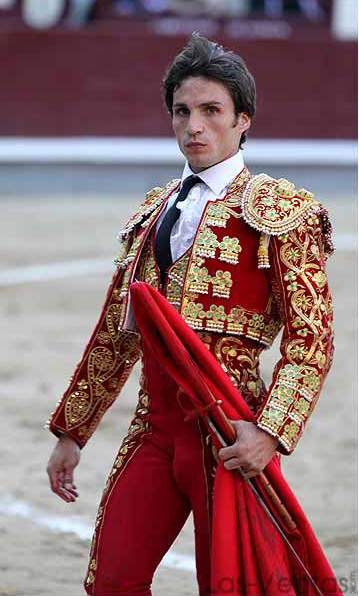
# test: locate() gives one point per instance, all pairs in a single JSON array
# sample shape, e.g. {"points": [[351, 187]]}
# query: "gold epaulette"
{"points": [[154, 198], [275, 207]]}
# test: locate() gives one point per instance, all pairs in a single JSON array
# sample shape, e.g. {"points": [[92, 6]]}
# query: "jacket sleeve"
{"points": [[100, 375], [299, 282]]}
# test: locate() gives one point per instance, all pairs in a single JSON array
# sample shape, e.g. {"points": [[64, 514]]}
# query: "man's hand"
{"points": [[252, 450], [60, 469]]}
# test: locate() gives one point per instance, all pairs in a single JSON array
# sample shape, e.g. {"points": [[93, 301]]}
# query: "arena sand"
{"points": [[44, 329]]}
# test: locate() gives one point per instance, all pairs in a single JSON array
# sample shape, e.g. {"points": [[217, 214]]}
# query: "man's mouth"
{"points": [[194, 145]]}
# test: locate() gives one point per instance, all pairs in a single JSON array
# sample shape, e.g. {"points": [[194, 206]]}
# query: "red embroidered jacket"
{"points": [[257, 265]]}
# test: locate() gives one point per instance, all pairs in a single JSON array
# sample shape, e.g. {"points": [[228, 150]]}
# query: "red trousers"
{"points": [[164, 469]]}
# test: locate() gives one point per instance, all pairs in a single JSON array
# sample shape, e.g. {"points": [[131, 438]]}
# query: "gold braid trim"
{"points": [[154, 199]]}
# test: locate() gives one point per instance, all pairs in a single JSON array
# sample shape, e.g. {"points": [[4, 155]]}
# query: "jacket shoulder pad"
{"points": [[275, 207], [154, 198]]}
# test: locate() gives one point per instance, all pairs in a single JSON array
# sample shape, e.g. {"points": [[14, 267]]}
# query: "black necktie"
{"points": [[163, 244]]}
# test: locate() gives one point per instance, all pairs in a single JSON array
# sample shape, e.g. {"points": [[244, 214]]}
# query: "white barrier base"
{"points": [[164, 151]]}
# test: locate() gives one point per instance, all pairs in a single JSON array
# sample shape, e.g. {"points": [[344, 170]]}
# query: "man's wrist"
{"points": [[273, 439], [65, 438]]}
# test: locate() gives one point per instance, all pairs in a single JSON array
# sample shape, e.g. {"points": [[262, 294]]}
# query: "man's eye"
{"points": [[181, 111], [212, 110]]}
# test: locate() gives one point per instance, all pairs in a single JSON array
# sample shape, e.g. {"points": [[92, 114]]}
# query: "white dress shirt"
{"points": [[216, 180]]}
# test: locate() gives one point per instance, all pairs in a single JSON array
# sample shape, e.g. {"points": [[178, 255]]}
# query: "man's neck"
{"points": [[218, 176]]}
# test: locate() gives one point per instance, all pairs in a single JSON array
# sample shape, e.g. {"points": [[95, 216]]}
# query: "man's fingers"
{"points": [[68, 481], [54, 478], [70, 489], [68, 494], [227, 452], [68, 485], [61, 492], [249, 474], [244, 469], [62, 463], [232, 464], [65, 495], [62, 485]]}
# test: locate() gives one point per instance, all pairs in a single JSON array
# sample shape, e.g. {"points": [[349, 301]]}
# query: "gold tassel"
{"points": [[263, 258]]}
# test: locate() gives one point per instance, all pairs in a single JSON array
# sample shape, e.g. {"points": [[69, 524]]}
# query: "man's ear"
{"points": [[243, 121]]}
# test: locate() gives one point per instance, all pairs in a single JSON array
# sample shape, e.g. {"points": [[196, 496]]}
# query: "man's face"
{"points": [[205, 124]]}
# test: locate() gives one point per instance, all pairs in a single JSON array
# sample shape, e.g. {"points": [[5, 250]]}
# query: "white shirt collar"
{"points": [[217, 177]]}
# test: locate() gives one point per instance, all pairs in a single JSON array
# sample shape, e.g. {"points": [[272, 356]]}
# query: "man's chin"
{"points": [[197, 165]]}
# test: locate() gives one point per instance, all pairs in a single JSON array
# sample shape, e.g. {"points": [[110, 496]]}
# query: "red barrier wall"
{"points": [[107, 83]]}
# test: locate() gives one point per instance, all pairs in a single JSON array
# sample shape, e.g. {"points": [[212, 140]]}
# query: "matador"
{"points": [[241, 257]]}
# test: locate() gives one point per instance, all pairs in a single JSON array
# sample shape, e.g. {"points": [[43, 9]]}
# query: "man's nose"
{"points": [[195, 125]]}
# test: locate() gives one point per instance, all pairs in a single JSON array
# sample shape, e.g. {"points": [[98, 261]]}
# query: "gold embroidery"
{"points": [[263, 251], [297, 350], [217, 214], [154, 199], [222, 283], [126, 282], [291, 433], [271, 419], [104, 337], [116, 295], [138, 427], [274, 206], [216, 317], [147, 267], [307, 343], [201, 280], [238, 321], [302, 406], [320, 279], [77, 407], [285, 189], [176, 276], [229, 250], [242, 366], [205, 338], [134, 248], [206, 243], [305, 194], [198, 279], [257, 322], [120, 260], [193, 313], [283, 397], [305, 283], [153, 194], [108, 369], [152, 216], [91, 572], [234, 198]]}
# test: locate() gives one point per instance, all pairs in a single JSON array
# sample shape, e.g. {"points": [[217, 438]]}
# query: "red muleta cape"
{"points": [[249, 555]]}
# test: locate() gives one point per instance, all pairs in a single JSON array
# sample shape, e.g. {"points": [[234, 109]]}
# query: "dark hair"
{"points": [[204, 58]]}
